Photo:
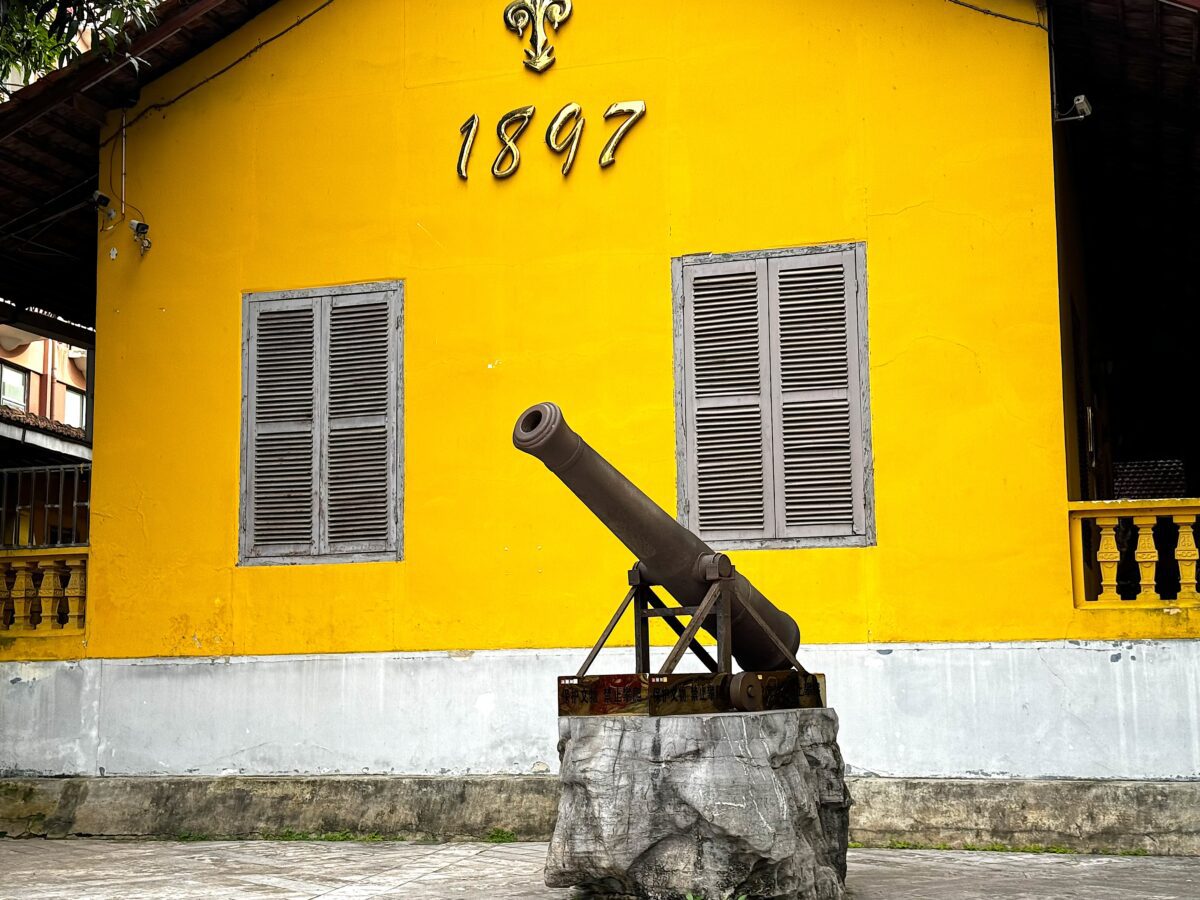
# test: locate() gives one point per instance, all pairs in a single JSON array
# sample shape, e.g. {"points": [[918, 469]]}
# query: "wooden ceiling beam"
{"points": [[39, 236], [97, 113], [1186, 4], [25, 109], [68, 210], [79, 129], [59, 142], [71, 234], [52, 158], [16, 188], [30, 168]]}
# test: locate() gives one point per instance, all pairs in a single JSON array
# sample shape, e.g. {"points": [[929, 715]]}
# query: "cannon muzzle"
{"points": [[668, 552]]}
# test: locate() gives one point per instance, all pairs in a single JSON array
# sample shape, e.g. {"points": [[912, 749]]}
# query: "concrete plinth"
{"points": [[718, 806]]}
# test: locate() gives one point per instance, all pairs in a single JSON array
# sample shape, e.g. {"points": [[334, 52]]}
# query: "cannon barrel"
{"points": [[667, 551]]}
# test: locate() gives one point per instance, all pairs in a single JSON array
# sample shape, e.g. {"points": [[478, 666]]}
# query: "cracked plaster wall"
{"points": [[1025, 710]]}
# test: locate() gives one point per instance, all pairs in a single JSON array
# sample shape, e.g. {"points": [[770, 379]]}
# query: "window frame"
{"points": [[322, 297], [82, 395], [683, 426], [25, 374]]}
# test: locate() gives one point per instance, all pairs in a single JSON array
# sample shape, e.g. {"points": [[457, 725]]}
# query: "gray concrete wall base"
{"points": [[249, 806], [1156, 817]]}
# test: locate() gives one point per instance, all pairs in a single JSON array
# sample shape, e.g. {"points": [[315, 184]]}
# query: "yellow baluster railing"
{"points": [[1186, 556], [1106, 534], [43, 592], [76, 591], [7, 610], [50, 593], [1146, 555], [1108, 556], [24, 596]]}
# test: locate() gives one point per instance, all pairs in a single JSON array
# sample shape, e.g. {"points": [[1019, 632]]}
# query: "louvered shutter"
{"points": [[819, 451], [281, 495], [359, 424], [727, 419]]}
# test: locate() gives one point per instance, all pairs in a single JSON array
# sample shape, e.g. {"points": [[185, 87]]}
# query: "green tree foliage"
{"points": [[39, 35]]}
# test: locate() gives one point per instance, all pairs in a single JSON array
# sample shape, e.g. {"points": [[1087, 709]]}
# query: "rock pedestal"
{"points": [[719, 806]]}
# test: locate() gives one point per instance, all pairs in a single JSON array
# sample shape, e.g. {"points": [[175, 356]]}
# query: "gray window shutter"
{"points": [[727, 415], [817, 409], [359, 424], [281, 505]]}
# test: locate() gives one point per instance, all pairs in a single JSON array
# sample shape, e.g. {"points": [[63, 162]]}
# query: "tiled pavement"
{"points": [[248, 870]]}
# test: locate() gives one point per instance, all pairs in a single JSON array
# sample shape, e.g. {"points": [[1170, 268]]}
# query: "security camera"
{"points": [[1081, 108], [139, 229], [99, 200]]}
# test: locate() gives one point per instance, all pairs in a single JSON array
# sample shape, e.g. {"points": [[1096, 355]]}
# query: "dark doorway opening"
{"points": [[1128, 180]]}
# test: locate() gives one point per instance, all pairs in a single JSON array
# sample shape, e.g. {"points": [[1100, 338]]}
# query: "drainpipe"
{"points": [[53, 350], [46, 365]]}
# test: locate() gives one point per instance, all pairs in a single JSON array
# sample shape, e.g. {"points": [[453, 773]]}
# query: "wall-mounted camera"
{"points": [[1081, 108], [140, 230]]}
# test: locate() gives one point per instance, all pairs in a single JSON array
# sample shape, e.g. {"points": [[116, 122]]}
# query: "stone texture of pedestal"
{"points": [[720, 806]]}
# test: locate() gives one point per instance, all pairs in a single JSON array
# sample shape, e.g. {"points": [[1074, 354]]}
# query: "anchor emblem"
{"points": [[535, 15]]}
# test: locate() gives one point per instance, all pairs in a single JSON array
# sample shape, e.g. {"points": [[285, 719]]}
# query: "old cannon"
{"points": [[708, 589]]}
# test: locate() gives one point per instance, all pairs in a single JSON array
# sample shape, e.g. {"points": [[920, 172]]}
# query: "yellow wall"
{"points": [[919, 127]]}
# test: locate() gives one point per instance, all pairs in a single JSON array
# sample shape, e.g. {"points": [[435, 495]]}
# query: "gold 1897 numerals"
{"points": [[562, 136]]}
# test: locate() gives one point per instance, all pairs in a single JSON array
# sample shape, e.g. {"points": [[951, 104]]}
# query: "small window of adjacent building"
{"points": [[14, 387], [76, 404], [322, 425], [773, 410]]}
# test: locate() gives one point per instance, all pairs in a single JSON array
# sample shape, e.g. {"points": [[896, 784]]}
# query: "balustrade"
{"points": [[1135, 553], [44, 518], [43, 592]]}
